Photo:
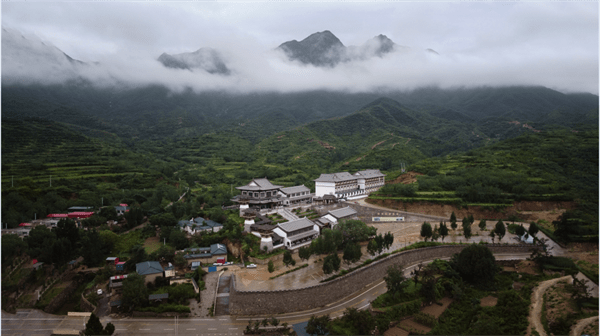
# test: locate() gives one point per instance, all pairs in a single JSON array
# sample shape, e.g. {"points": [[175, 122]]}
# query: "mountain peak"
{"points": [[319, 49]]}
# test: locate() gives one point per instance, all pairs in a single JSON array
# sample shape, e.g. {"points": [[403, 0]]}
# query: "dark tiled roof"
{"points": [[158, 296], [369, 173], [218, 249], [296, 225], [343, 212], [336, 177], [259, 184], [148, 267], [296, 189]]}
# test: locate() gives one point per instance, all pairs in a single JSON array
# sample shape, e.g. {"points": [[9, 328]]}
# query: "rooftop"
{"points": [[296, 225], [336, 177], [370, 173], [296, 189], [343, 212], [148, 267], [259, 184]]}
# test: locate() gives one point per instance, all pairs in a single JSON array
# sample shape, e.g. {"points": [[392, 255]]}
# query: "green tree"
{"points": [[179, 260], [12, 247], [465, 222], [352, 253], [108, 212], [355, 230], [67, 228], [453, 225], [467, 231], [288, 259], [331, 263], [471, 219], [304, 252], [389, 240], [453, 217], [178, 239], [91, 248], [372, 247], [476, 265], [426, 230], [443, 231], [520, 231], [482, 224], [380, 243], [492, 235], [436, 233], [271, 267], [394, 279], [93, 326], [361, 321], [500, 230], [533, 229], [137, 254], [39, 243], [135, 292], [318, 325]]}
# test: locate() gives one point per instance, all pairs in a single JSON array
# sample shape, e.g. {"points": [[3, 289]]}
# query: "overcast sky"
{"points": [[554, 44]]}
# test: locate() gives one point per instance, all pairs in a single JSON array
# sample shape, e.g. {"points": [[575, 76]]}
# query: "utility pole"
{"points": [[12, 181], [51, 180]]}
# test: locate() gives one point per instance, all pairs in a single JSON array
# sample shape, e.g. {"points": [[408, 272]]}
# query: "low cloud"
{"points": [[518, 53]]}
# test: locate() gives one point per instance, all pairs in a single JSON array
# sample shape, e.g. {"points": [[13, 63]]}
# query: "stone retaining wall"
{"points": [[86, 305], [286, 301], [62, 297]]}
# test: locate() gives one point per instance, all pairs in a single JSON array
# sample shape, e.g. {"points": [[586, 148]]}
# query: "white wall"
{"points": [[324, 188]]}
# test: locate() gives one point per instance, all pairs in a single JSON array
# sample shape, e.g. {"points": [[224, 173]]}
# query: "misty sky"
{"points": [[554, 44]]}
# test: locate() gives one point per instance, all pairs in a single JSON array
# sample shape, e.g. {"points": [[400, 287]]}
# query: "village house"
{"points": [[150, 270], [199, 225], [333, 217], [216, 253]]}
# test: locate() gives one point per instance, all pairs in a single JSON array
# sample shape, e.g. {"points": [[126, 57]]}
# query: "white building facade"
{"points": [[348, 186]]}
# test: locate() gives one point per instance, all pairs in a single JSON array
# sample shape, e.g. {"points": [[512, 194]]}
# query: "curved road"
{"points": [[33, 322]]}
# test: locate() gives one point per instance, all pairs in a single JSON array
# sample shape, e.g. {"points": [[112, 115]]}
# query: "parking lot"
{"points": [[405, 233]]}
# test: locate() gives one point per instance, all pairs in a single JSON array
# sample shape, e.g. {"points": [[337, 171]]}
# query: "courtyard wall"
{"points": [[291, 300]]}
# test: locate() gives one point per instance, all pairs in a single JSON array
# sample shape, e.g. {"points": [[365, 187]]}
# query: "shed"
{"points": [[120, 266], [158, 297]]}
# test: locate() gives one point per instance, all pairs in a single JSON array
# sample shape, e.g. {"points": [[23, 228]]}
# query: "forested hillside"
{"points": [[147, 146]]}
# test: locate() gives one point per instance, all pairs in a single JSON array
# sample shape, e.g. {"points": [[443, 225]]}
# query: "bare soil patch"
{"points": [[591, 329], [528, 267], [407, 178], [489, 301], [526, 211], [558, 302], [396, 331], [437, 310], [151, 244], [410, 324]]}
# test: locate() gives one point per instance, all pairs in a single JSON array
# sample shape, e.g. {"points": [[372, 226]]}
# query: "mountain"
{"points": [[24, 56], [319, 49], [206, 59], [326, 50]]}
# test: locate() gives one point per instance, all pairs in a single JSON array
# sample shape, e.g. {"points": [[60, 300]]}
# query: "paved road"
{"points": [[34, 322]]}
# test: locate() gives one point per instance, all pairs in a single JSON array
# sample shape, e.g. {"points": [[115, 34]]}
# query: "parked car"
{"points": [[229, 263], [218, 264], [251, 266], [99, 292]]}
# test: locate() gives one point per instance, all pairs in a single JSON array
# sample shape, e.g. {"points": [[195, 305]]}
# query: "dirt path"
{"points": [[537, 301], [577, 329]]}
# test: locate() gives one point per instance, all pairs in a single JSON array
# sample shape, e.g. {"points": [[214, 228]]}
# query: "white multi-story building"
{"points": [[346, 185]]}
